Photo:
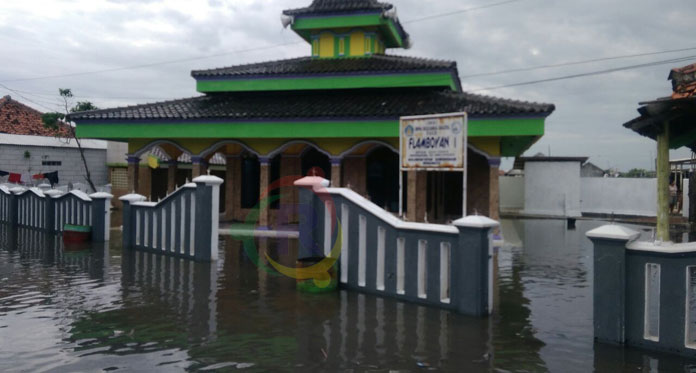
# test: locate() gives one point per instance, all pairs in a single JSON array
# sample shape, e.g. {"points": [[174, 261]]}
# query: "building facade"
{"points": [[335, 112], [28, 148]]}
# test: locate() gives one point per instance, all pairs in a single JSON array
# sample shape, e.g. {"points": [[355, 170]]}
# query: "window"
{"points": [[342, 46], [315, 46], [51, 163], [119, 178], [651, 329]]}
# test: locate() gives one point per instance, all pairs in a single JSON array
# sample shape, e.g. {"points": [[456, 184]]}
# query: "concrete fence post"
{"points": [[610, 281], [311, 216], [14, 205], [101, 216], [207, 217], [129, 219], [472, 266], [51, 195]]}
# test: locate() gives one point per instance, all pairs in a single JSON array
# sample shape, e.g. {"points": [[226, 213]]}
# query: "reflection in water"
{"points": [[106, 308]]}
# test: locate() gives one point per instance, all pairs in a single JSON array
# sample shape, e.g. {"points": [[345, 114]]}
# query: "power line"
{"points": [[426, 18], [541, 67], [24, 97], [132, 67], [592, 73], [440, 15], [89, 96]]}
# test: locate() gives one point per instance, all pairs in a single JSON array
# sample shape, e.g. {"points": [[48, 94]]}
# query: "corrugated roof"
{"points": [[367, 104], [315, 66]]}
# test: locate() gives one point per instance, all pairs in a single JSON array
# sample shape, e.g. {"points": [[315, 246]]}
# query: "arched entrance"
{"points": [[382, 178], [312, 159]]}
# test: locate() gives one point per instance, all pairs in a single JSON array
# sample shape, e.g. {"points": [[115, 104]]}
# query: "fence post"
{"points": [[311, 217], [128, 218], [207, 217], [610, 281], [51, 209], [101, 216], [14, 206], [472, 266]]}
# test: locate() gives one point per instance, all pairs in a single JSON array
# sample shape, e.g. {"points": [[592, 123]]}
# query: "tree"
{"points": [[59, 123]]}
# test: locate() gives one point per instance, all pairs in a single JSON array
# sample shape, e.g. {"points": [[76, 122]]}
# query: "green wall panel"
{"points": [[342, 82]]}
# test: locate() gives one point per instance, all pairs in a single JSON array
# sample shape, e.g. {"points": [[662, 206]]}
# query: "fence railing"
{"points": [[448, 266], [644, 292], [51, 210], [184, 224]]}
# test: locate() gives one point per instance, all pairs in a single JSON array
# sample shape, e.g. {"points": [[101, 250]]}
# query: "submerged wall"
{"points": [[542, 194], [552, 188], [619, 196], [511, 193]]}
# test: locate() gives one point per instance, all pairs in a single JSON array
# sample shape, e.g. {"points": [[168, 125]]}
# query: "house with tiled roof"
{"points": [[28, 148], [336, 110]]}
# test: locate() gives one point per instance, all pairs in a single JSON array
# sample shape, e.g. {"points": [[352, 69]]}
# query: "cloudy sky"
{"points": [[47, 44]]}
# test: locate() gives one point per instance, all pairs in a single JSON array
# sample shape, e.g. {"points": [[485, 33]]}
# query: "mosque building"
{"points": [[336, 110]]}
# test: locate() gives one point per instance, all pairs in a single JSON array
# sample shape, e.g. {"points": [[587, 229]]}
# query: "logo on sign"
{"points": [[456, 128], [408, 131]]}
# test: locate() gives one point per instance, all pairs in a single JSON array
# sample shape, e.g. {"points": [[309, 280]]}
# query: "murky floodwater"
{"points": [[109, 309]]}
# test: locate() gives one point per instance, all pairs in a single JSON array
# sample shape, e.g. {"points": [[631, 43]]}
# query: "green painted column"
{"points": [[663, 184]]}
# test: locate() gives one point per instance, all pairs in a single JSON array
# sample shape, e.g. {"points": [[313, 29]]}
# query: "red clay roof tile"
{"points": [[19, 119]]}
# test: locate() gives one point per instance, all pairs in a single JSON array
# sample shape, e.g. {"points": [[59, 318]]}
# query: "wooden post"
{"points": [[133, 173], [336, 172], [663, 184], [231, 182], [171, 176], [264, 180]]}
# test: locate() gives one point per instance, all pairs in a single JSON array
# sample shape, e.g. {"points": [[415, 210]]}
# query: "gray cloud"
{"points": [[67, 36]]}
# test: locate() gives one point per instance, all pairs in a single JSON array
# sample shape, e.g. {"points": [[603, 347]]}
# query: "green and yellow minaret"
{"points": [[350, 28]]}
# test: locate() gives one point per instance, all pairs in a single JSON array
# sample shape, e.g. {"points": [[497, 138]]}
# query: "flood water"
{"points": [[108, 309]]}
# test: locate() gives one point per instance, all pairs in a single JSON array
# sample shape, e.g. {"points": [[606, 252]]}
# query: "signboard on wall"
{"points": [[434, 142]]}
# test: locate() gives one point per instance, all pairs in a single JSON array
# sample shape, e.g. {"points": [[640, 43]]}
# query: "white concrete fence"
{"points": [[51, 210], [184, 224]]}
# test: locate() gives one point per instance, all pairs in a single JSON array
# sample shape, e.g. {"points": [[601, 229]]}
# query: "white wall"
{"points": [[12, 159], [511, 193], [116, 152], [620, 196], [552, 188]]}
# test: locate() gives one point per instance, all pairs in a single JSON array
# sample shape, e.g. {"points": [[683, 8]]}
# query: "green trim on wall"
{"points": [[332, 82], [304, 25], [506, 127], [515, 146], [529, 129]]}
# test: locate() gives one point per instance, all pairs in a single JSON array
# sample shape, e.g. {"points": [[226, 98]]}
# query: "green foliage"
{"points": [[637, 172], [83, 106], [53, 120]]}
